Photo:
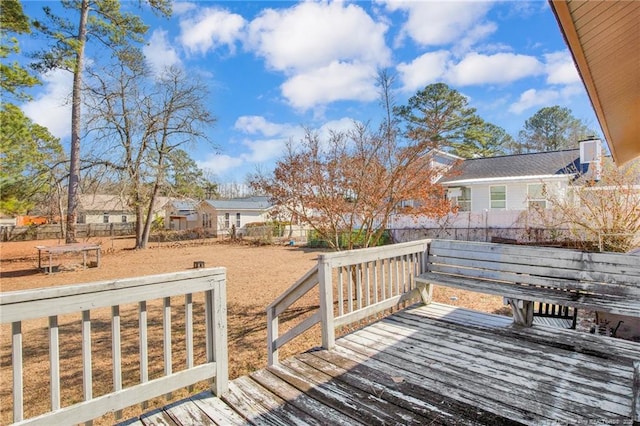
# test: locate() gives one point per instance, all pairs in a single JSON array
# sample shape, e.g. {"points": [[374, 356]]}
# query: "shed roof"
{"points": [[565, 162]]}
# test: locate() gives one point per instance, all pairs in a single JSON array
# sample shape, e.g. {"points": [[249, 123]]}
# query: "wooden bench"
{"points": [[524, 275]]}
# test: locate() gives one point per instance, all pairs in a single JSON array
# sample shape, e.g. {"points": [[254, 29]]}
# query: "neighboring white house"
{"points": [[494, 191], [104, 208], [107, 208], [222, 215], [180, 215]]}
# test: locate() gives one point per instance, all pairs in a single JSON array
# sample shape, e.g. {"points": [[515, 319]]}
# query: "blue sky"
{"points": [[276, 67]]}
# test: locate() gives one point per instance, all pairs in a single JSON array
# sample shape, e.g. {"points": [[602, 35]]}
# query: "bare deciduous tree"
{"points": [[606, 212], [140, 123]]}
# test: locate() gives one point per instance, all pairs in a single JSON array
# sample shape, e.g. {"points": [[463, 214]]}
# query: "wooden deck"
{"points": [[432, 364]]}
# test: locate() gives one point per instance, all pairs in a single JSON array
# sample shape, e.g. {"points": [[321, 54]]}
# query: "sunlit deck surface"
{"points": [[426, 365]]}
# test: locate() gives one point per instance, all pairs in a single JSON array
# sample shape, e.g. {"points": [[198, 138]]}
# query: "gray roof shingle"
{"points": [[250, 203], [566, 162]]}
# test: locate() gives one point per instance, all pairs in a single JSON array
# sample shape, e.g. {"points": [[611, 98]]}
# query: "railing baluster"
{"points": [[116, 352], [166, 337], [397, 274], [350, 288], [382, 279], [358, 270], [389, 277], [340, 291], [87, 373], [375, 281], [54, 362], [188, 328], [16, 357], [367, 282], [144, 347]]}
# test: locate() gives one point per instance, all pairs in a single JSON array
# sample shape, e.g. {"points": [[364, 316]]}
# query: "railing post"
{"points": [[216, 305], [272, 335], [326, 303]]}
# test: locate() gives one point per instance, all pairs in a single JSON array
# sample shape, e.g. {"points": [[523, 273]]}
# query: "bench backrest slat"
{"points": [[608, 282], [550, 262]]}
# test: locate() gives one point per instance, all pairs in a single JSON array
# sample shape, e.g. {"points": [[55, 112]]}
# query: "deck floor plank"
{"points": [[482, 387], [397, 389], [582, 369], [437, 365], [187, 413], [299, 399], [217, 410], [550, 385], [382, 412]]}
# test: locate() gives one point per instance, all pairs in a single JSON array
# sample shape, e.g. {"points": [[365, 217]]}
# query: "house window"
{"points": [[226, 220], [498, 197], [536, 196], [464, 200], [124, 218], [237, 220], [105, 218]]}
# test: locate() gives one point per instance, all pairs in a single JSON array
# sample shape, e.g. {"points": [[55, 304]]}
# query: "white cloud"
{"points": [[210, 29], [257, 151], [159, 52], [255, 124], [329, 51], [220, 164], [182, 7], [341, 125], [264, 150], [335, 82], [311, 35], [434, 23], [560, 68], [534, 98], [423, 70], [499, 68], [52, 107]]}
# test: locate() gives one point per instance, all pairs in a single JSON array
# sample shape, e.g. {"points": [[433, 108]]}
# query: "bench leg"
{"points": [[522, 311], [426, 292]]}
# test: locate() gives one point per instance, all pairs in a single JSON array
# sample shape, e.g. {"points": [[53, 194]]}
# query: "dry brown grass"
{"points": [[255, 277]]}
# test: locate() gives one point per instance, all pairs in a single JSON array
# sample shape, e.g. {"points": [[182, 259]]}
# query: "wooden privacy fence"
{"points": [[354, 285], [207, 285]]}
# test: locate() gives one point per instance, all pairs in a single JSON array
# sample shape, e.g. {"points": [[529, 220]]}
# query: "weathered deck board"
{"points": [[433, 364]]}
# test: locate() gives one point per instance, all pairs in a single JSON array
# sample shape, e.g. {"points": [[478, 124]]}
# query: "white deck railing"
{"points": [[29, 309], [353, 285]]}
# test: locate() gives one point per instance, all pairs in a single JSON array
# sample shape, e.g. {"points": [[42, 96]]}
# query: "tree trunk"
{"points": [[142, 244], [74, 166]]}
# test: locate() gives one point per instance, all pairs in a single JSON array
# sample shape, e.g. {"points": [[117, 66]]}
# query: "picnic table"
{"points": [[68, 248]]}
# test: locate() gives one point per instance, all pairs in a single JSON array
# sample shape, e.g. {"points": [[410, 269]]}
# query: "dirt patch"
{"points": [[255, 277]]}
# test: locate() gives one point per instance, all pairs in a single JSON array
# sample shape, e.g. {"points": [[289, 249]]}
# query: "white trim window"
{"points": [[536, 196], [226, 220], [464, 199], [498, 195], [237, 220]]}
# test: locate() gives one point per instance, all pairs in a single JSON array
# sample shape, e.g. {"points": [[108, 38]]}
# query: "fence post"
{"points": [[326, 303]]}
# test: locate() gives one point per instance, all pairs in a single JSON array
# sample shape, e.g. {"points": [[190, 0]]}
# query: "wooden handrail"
{"points": [[19, 307], [376, 278]]}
